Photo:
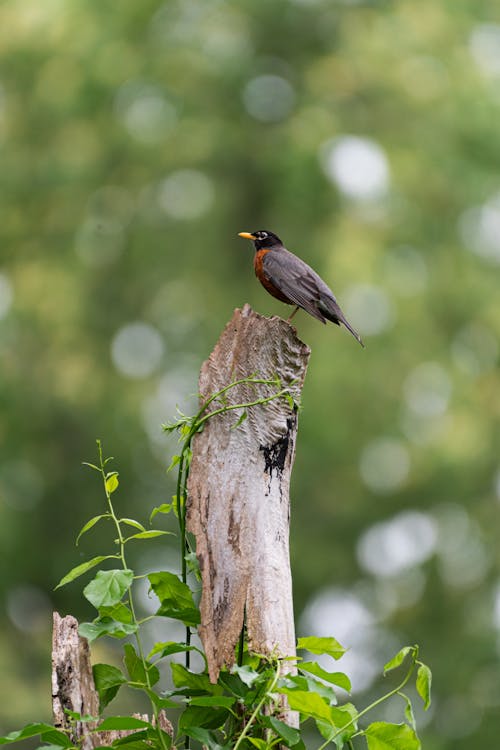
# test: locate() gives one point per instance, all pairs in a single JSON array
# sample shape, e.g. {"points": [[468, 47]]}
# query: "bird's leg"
{"points": [[291, 316]]}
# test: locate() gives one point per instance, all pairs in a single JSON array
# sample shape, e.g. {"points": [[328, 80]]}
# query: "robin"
{"points": [[290, 280]]}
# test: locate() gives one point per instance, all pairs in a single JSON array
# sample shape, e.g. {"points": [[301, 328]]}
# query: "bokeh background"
{"points": [[136, 140]]}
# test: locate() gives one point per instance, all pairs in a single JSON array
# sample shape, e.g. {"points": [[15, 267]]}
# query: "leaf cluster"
{"points": [[251, 704]]}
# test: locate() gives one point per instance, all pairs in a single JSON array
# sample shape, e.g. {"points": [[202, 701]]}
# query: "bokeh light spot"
{"points": [[463, 559], [384, 465], [368, 308], [269, 98], [145, 112], [177, 389], [475, 349], [423, 429], [344, 613], [396, 545], [29, 608], [427, 389], [186, 194], [479, 228], [357, 166], [400, 590], [137, 350], [484, 46]]}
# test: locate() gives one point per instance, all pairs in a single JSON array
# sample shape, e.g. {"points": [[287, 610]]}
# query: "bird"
{"points": [[289, 279]]}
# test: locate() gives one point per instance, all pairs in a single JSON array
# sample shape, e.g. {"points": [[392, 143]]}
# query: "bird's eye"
{"points": [[262, 235]]}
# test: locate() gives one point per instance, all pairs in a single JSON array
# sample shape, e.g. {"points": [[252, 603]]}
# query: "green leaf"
{"points": [[219, 701], [294, 682], [57, 738], [91, 466], [410, 717], [204, 736], [231, 683], [289, 734], [161, 702], [163, 508], [136, 668], [149, 534], [108, 680], [183, 677], [317, 645], [89, 525], [193, 564], [397, 660], [176, 599], [384, 736], [116, 621], [202, 716], [424, 682], [260, 744], [175, 460], [345, 715], [242, 418], [342, 725], [30, 730], [121, 722], [246, 674], [108, 587], [106, 626], [166, 648], [134, 741], [132, 522], [336, 678], [310, 704], [328, 731], [325, 691], [112, 482], [81, 569], [308, 683], [119, 612]]}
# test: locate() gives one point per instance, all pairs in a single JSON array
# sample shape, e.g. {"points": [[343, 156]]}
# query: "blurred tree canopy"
{"points": [[136, 140]]}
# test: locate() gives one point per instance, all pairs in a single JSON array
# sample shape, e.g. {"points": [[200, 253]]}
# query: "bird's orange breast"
{"points": [[265, 280]]}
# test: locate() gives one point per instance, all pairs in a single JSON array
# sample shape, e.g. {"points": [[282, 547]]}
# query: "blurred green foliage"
{"points": [[136, 140]]}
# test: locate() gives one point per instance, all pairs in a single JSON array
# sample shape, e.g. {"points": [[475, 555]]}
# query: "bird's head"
{"points": [[262, 238]]}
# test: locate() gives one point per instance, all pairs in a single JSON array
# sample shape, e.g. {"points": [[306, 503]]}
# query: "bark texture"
{"points": [[238, 491]]}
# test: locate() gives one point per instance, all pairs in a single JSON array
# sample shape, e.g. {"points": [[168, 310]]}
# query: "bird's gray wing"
{"points": [[296, 280]]}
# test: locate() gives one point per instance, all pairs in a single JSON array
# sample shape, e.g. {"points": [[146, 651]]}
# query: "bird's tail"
{"points": [[351, 330], [337, 316]]}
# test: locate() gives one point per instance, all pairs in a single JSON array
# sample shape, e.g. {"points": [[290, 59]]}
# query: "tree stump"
{"points": [[72, 680], [238, 492], [73, 688]]}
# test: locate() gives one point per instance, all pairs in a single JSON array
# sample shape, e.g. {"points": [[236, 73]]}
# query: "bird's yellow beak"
{"points": [[247, 235]]}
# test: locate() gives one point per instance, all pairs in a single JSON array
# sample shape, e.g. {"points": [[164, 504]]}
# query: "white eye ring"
{"points": [[263, 235]]}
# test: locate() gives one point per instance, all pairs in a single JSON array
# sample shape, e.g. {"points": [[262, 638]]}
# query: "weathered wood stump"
{"points": [[238, 492]]}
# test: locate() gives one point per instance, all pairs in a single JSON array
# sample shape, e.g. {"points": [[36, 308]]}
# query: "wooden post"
{"points": [[238, 492]]}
